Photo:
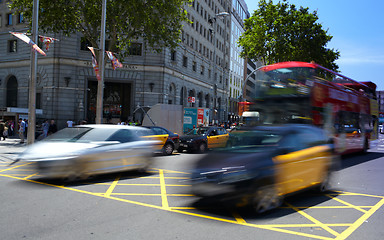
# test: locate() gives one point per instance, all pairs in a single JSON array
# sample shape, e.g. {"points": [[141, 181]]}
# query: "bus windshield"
{"points": [[295, 81]]}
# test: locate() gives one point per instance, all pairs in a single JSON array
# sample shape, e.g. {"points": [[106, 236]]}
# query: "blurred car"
{"points": [[202, 138], [265, 164], [169, 141], [85, 150]]}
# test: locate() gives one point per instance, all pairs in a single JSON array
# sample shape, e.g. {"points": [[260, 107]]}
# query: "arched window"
{"points": [[182, 96], [192, 94], [207, 100], [12, 87], [200, 99]]}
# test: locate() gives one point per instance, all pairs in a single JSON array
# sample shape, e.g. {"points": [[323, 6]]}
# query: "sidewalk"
{"points": [[10, 149]]}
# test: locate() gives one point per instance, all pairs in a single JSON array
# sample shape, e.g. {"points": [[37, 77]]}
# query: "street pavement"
{"points": [[10, 149]]}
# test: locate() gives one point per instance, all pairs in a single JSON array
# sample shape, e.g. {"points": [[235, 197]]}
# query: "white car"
{"points": [[85, 150]]}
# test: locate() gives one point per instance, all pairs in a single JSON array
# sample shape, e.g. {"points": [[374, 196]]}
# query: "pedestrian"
{"points": [[52, 127], [2, 129], [45, 127], [11, 128], [69, 123], [26, 127], [21, 130]]}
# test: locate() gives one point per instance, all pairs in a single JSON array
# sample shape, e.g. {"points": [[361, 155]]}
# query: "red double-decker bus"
{"points": [[301, 92]]}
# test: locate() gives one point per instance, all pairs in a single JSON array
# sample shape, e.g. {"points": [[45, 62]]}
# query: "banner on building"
{"points": [[95, 64], [26, 39], [47, 41], [115, 62]]}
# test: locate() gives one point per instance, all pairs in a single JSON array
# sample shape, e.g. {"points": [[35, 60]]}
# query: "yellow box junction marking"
{"points": [[110, 194]]}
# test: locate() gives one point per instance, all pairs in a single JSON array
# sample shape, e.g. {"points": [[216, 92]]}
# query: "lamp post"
{"points": [[32, 80], [214, 25], [100, 84]]}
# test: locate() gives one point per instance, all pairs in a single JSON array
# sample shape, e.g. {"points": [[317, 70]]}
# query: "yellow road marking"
{"points": [[142, 184], [357, 194], [17, 166], [113, 185], [164, 199], [238, 218], [320, 224], [272, 227], [360, 221], [326, 207], [182, 178], [345, 203], [153, 194], [31, 175]]}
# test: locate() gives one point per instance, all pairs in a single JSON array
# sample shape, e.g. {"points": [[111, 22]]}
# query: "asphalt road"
{"points": [[158, 205]]}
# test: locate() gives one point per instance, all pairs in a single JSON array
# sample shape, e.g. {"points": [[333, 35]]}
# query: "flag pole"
{"points": [[32, 79], [100, 84]]}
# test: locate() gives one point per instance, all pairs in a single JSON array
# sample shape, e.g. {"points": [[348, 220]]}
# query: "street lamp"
{"points": [[213, 22]]}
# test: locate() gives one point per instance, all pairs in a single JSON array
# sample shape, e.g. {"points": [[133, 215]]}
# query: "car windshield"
{"points": [[198, 131], [81, 134], [254, 141]]}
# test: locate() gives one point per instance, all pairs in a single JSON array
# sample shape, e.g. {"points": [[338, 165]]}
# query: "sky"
{"points": [[357, 28]]}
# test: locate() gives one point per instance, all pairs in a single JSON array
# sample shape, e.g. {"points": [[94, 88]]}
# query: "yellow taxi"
{"points": [[202, 138], [266, 163], [168, 141]]}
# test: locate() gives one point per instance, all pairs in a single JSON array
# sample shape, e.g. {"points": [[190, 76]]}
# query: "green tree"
{"points": [[281, 32], [157, 22]]}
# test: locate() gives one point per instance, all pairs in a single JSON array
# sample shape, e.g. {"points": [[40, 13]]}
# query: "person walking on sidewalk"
{"points": [[2, 129], [21, 130]]}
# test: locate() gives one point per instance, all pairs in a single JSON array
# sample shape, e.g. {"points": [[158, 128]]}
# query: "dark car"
{"points": [[264, 164], [203, 138], [169, 140]]}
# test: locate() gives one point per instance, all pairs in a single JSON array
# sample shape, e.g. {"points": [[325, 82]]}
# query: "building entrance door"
{"points": [[116, 101]]}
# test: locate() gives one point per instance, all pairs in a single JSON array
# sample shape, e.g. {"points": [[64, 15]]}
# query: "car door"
{"points": [[212, 138], [302, 162], [116, 156], [159, 135], [223, 137]]}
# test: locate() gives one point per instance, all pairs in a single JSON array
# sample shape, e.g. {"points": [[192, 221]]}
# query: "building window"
{"points": [[9, 19], [20, 18], [12, 46], [185, 61], [135, 49], [194, 66], [202, 70], [173, 55], [12, 87], [1, 17], [38, 100], [84, 44]]}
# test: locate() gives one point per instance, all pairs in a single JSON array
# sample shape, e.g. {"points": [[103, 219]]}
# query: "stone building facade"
{"points": [[66, 83]]}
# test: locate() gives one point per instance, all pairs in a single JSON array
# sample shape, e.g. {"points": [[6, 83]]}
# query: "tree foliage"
{"points": [[281, 32], [157, 22]]}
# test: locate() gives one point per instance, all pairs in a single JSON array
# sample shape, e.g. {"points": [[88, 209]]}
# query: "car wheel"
{"points": [[265, 199], [202, 147], [168, 149]]}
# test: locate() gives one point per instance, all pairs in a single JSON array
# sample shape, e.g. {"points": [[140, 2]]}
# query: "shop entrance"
{"points": [[116, 102]]}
